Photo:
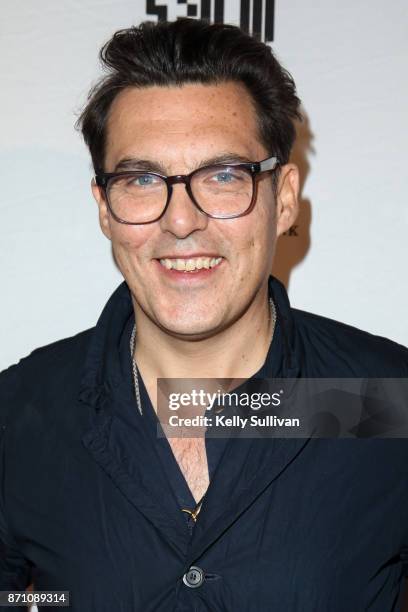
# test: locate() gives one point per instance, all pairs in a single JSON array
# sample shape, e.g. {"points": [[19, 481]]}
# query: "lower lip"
{"points": [[188, 277]]}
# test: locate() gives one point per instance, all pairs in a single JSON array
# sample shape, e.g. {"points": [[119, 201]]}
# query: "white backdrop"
{"points": [[348, 261]]}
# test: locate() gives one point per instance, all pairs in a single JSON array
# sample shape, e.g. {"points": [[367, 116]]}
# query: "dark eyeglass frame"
{"points": [[102, 179]]}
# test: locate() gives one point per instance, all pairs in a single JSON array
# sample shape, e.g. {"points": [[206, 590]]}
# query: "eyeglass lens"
{"points": [[221, 191]]}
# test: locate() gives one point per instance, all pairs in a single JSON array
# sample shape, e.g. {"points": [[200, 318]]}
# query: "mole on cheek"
{"points": [[129, 245]]}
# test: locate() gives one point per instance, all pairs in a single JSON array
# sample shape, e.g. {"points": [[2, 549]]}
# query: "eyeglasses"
{"points": [[222, 191]]}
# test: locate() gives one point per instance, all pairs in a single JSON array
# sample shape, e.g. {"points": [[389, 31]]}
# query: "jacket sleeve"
{"points": [[15, 570]]}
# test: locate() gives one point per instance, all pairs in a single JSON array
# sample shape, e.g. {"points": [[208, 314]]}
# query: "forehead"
{"points": [[194, 118]]}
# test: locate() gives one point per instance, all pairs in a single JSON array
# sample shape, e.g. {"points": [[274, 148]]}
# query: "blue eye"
{"points": [[224, 177], [144, 181]]}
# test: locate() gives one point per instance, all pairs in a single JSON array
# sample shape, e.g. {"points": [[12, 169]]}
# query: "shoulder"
{"points": [[51, 366], [349, 350]]}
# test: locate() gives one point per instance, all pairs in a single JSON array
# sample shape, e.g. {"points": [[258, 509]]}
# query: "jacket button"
{"points": [[194, 577]]}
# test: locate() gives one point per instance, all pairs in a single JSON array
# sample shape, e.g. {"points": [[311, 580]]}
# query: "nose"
{"points": [[182, 217]]}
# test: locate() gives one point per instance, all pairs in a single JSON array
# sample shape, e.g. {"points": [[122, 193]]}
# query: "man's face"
{"points": [[181, 128]]}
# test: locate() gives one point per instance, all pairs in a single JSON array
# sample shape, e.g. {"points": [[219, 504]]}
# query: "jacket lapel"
{"points": [[246, 469], [123, 452], [249, 466], [114, 438]]}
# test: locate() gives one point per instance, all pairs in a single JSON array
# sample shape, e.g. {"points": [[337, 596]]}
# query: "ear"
{"points": [[287, 204], [104, 214]]}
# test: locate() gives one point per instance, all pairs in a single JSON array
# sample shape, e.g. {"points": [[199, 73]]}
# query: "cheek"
{"points": [[131, 238], [255, 236], [265, 230], [131, 241]]}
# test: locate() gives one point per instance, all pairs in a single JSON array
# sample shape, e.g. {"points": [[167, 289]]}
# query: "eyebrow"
{"points": [[133, 163]]}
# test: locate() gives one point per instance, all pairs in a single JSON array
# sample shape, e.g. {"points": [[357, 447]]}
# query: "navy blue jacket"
{"points": [[287, 525]]}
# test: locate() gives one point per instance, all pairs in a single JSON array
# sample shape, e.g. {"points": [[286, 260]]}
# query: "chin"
{"points": [[187, 329]]}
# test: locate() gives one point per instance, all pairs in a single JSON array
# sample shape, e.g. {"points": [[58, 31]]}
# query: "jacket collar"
{"points": [[104, 370], [102, 366], [285, 319]]}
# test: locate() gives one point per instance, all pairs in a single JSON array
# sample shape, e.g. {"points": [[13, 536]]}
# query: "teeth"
{"points": [[189, 265]]}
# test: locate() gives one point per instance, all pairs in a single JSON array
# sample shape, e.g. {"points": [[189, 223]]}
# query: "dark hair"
{"points": [[193, 51]]}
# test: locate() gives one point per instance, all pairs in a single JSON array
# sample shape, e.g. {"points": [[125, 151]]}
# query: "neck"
{"points": [[232, 353]]}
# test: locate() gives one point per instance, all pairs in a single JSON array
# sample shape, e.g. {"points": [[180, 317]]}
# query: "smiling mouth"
{"points": [[192, 264]]}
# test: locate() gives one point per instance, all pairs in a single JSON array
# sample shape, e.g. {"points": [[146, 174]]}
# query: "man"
{"points": [[190, 133]]}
